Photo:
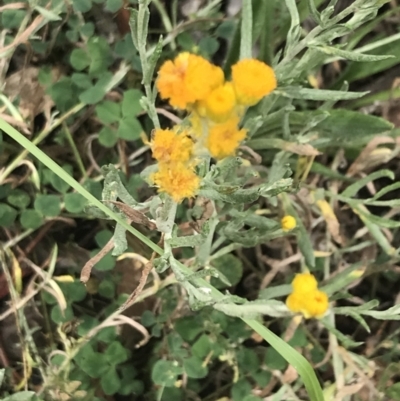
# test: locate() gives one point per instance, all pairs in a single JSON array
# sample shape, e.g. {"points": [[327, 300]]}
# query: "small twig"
{"points": [[24, 35], [87, 269], [169, 115], [131, 300], [13, 6]]}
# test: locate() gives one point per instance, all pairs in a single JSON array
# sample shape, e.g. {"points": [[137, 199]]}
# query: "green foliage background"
{"points": [[221, 345]]}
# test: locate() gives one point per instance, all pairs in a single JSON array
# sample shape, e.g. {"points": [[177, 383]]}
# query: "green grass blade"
{"points": [[293, 357], [246, 30], [51, 164]]}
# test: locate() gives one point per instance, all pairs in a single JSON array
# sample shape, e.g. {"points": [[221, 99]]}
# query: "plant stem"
{"points": [[75, 150]]}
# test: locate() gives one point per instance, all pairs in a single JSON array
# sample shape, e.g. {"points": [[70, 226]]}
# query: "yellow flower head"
{"points": [[311, 304], [306, 298], [252, 80], [187, 79], [223, 139], [220, 103], [177, 180], [304, 282], [288, 223], [169, 146]]}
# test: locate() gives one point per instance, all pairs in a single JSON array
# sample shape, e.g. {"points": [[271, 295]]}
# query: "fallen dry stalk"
{"points": [[143, 279], [87, 269]]}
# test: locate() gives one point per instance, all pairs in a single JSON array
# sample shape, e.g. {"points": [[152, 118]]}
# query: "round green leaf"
{"points": [[131, 102], [202, 347], [58, 316], [231, 267], [102, 237], [86, 324], [189, 327], [194, 368], [87, 29], [107, 335], [7, 215], [81, 80], [107, 289], [393, 392], [105, 264], [82, 5], [108, 112], [31, 219], [116, 353], [19, 198], [129, 129], [148, 318], [274, 360], [108, 137], [247, 360], [4, 190], [48, 205], [79, 59], [58, 183], [110, 382], [11, 19], [240, 389], [74, 292], [74, 202], [114, 5], [208, 45], [165, 373]]}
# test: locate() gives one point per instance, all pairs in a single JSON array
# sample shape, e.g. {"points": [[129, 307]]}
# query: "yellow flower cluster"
{"points": [[175, 176], [306, 298], [191, 82]]}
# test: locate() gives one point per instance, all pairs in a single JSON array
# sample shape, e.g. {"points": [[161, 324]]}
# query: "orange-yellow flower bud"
{"points": [[304, 282], [187, 79], [169, 146], [252, 80], [220, 103], [288, 223], [223, 139], [306, 298], [177, 180]]}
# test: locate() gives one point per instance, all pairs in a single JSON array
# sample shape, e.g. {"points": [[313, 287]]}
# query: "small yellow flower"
{"points": [[223, 139], [288, 223], [306, 298], [304, 282], [187, 79], [169, 146], [311, 304], [252, 80], [178, 180], [220, 103]]}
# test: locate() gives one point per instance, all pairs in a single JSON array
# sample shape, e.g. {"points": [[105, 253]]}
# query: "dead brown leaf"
{"points": [[372, 156], [331, 220], [134, 215], [33, 100]]}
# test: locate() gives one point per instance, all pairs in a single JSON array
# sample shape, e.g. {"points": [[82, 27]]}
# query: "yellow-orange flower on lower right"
{"points": [[178, 180], [252, 80], [306, 298], [223, 139]]}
